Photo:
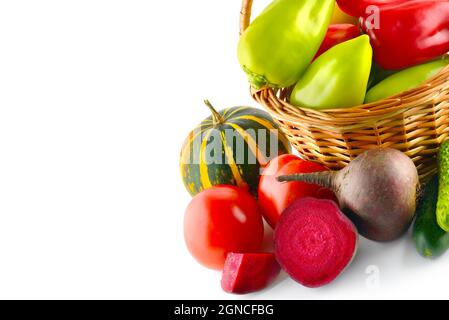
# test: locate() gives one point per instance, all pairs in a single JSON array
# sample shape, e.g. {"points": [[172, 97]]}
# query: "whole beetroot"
{"points": [[377, 191]]}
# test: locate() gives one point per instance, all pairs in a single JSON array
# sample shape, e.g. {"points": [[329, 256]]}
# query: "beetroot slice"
{"points": [[249, 272], [314, 241]]}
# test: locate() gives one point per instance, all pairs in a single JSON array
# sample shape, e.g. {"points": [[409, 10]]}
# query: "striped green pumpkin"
{"points": [[230, 147]]}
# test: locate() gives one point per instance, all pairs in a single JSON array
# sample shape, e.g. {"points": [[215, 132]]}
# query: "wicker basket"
{"points": [[415, 122]]}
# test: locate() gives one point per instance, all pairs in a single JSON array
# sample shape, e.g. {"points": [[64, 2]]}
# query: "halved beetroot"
{"points": [[314, 241], [249, 272]]}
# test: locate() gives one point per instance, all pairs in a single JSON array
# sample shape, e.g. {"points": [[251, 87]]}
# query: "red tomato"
{"points": [[275, 197], [220, 220]]}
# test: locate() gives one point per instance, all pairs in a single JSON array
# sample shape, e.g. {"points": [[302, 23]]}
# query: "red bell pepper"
{"points": [[357, 8], [337, 33], [409, 33]]}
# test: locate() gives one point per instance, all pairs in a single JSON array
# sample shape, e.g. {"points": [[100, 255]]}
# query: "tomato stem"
{"points": [[217, 118]]}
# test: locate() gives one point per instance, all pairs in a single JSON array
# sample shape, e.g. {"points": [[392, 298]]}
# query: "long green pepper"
{"points": [[282, 41], [336, 79], [405, 80]]}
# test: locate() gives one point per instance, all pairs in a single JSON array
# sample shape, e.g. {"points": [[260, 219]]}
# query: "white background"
{"points": [[96, 98]]}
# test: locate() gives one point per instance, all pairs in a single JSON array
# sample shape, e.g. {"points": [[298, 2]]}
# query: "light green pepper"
{"points": [[279, 45], [404, 80], [338, 78], [377, 75]]}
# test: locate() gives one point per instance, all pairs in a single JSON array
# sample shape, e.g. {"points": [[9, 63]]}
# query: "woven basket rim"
{"points": [[375, 111]]}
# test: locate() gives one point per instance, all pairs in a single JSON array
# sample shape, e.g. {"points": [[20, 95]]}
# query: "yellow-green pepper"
{"points": [[404, 80], [280, 44], [338, 78]]}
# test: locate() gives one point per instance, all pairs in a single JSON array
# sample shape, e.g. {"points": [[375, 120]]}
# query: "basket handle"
{"points": [[245, 15]]}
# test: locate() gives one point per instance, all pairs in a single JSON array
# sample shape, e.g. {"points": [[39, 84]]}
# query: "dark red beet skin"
{"points": [[249, 272], [314, 241]]}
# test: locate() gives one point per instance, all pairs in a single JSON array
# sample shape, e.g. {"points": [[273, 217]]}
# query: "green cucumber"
{"points": [[443, 192], [430, 240]]}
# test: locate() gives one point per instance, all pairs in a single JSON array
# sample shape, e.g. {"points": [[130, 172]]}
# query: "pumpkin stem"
{"points": [[217, 118]]}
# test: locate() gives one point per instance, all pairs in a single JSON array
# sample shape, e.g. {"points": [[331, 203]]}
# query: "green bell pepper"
{"points": [[338, 78], [280, 44], [404, 80]]}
